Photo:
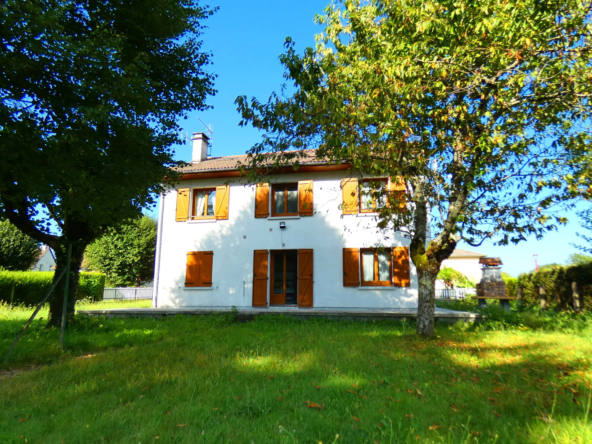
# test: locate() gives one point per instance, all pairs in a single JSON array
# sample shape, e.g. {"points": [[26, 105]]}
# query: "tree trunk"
{"points": [[426, 307], [57, 298]]}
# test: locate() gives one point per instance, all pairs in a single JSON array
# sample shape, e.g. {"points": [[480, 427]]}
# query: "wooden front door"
{"points": [[284, 277]]}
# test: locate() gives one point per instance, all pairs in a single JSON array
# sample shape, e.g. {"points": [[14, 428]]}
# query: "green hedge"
{"points": [[557, 280], [29, 287]]}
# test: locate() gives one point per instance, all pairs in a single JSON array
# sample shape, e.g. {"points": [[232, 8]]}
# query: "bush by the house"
{"points": [[28, 287], [557, 281], [454, 278]]}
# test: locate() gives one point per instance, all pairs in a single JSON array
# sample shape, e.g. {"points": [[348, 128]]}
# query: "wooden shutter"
{"points": [[222, 195], [401, 267], [305, 278], [351, 267], [199, 269], [262, 200], [205, 268], [260, 278], [305, 198], [397, 189], [349, 190], [182, 204], [192, 270]]}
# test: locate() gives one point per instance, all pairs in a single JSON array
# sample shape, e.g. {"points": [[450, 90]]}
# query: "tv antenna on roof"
{"points": [[210, 135]]}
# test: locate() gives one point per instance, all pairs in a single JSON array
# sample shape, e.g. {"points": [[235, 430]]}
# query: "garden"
{"points": [[518, 377]]}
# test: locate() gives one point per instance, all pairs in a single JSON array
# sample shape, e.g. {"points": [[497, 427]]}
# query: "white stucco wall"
{"points": [[470, 267], [233, 242]]}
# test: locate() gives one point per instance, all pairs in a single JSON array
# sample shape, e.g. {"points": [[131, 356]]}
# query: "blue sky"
{"points": [[246, 39]]}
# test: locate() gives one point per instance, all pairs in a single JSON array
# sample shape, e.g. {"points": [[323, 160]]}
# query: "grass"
{"points": [[276, 379]]}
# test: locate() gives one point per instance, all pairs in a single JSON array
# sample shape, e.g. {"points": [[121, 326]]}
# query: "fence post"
{"points": [[577, 303], [543, 298], [519, 296], [12, 296]]}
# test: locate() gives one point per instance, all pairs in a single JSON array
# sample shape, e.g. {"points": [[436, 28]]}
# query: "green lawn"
{"points": [[190, 379]]}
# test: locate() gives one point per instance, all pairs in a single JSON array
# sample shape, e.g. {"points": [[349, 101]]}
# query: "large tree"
{"points": [[18, 252], [91, 93], [474, 105], [125, 254]]}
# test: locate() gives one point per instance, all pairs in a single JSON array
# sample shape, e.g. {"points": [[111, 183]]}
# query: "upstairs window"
{"points": [[370, 202], [284, 199], [204, 203]]}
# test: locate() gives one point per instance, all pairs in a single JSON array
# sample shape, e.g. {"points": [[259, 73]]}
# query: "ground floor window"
{"points": [[376, 267], [380, 267], [199, 269], [285, 275]]}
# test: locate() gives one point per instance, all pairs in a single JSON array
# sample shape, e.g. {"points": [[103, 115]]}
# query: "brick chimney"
{"points": [[200, 147]]}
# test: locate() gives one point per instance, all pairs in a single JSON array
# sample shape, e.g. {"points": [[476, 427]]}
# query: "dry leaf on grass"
{"points": [[180, 425], [454, 408], [314, 405], [435, 427], [409, 416]]}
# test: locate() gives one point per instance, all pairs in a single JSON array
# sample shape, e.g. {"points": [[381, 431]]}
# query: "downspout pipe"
{"points": [[158, 250]]}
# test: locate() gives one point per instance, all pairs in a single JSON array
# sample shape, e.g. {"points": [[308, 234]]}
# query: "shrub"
{"points": [[17, 250], [455, 278], [29, 287], [511, 284], [557, 280]]}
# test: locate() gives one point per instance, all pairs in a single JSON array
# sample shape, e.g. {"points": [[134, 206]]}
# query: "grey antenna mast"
{"points": [[210, 135]]}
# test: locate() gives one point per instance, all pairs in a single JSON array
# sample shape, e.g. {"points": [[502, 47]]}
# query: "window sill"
{"points": [[283, 217], [367, 214], [198, 288], [202, 221], [389, 288]]}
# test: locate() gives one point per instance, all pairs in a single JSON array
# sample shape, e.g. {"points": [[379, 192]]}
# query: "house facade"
{"points": [[305, 238]]}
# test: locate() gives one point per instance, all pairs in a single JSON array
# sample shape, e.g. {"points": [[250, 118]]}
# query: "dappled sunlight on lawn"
{"points": [[132, 380]]}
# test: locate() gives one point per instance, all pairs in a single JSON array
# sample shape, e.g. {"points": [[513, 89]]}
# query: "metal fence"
{"points": [[454, 293], [123, 293]]}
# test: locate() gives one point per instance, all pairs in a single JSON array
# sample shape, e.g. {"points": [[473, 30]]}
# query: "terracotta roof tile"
{"points": [[228, 163]]}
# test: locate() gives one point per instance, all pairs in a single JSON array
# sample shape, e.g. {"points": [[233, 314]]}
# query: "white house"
{"points": [[465, 262], [305, 239], [46, 261]]}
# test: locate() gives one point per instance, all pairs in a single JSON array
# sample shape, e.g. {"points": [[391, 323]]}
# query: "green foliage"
{"points": [[579, 259], [29, 287], [125, 254], [511, 284], [18, 252], [521, 318], [557, 281], [474, 104], [91, 99], [455, 278]]}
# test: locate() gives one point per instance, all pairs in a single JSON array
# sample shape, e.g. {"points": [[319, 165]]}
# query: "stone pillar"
{"points": [[543, 298], [577, 302]]}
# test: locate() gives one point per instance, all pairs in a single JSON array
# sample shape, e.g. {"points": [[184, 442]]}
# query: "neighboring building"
{"points": [[465, 262], [46, 261], [306, 240]]}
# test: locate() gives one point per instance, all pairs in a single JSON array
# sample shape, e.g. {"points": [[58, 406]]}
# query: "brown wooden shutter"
{"points": [[305, 198], [349, 190], [351, 267], [401, 267], [182, 204], [262, 200], [260, 278], [397, 189], [205, 268], [305, 278], [192, 270], [222, 195]]}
